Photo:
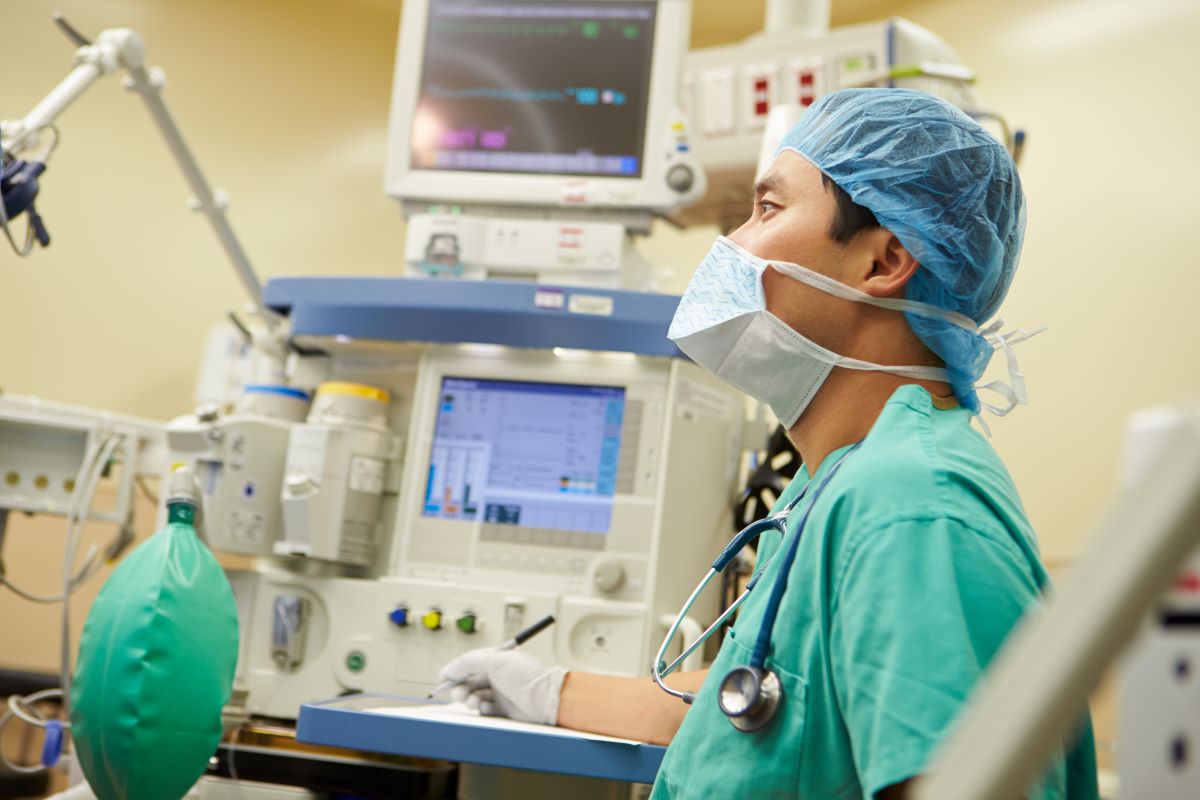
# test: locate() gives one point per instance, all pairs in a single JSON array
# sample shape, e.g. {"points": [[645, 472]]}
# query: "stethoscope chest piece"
{"points": [[749, 696]]}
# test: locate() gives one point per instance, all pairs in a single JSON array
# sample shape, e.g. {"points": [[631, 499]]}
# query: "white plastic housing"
{"points": [[543, 251], [238, 461], [334, 480]]}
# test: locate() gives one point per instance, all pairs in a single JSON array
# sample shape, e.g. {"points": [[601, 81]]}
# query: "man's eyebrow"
{"points": [[767, 183]]}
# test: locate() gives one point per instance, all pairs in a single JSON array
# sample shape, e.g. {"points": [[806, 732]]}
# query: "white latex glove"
{"points": [[507, 683]]}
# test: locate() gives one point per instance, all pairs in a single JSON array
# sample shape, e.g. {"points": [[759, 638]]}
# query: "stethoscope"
{"points": [[749, 695]]}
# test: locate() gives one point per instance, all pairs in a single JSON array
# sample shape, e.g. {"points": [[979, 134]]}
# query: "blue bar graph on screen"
{"points": [[524, 454]]}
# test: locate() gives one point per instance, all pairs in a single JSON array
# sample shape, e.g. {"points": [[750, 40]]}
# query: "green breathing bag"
{"points": [[156, 664]]}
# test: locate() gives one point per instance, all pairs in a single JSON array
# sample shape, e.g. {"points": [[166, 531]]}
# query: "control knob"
{"points": [[609, 576], [681, 178]]}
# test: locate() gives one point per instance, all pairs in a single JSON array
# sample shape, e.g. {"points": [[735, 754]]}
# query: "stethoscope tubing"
{"points": [[726, 614], [660, 670], [762, 643]]}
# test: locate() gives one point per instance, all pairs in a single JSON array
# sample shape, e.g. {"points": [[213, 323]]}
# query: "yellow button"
{"points": [[432, 620]]}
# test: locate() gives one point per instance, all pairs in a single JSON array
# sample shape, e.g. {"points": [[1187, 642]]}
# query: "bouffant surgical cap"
{"points": [[945, 187]]}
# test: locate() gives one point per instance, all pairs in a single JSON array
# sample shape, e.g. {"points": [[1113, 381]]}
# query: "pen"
{"points": [[522, 637]]}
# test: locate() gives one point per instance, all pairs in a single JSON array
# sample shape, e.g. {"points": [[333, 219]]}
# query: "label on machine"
{"points": [[366, 474]]}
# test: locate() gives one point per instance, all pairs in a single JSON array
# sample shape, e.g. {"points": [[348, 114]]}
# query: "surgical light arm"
{"points": [[1033, 697], [124, 48]]}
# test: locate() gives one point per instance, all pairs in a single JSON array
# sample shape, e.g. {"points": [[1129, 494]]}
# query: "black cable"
{"points": [[70, 31]]}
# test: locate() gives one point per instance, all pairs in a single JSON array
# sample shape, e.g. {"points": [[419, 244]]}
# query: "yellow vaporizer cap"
{"points": [[354, 390]]}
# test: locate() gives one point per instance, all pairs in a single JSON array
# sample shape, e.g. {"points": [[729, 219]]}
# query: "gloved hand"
{"points": [[507, 683]]}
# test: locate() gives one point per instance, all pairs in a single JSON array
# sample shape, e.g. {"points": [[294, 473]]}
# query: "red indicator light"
{"points": [[1188, 582]]}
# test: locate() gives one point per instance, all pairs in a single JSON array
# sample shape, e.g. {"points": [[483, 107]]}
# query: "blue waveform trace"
{"points": [[489, 93], [583, 95]]}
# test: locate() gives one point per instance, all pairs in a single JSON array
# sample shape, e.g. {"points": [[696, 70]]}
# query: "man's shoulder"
{"points": [[916, 466]]}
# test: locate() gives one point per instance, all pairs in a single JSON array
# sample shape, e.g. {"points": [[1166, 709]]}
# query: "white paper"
{"points": [[461, 715]]}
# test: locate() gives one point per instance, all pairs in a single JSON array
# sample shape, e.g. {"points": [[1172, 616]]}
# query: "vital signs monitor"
{"points": [[537, 102]]}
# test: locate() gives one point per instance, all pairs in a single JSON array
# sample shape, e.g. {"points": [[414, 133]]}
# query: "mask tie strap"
{"points": [[983, 426], [1013, 391], [836, 288]]}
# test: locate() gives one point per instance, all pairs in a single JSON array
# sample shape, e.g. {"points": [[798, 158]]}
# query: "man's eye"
{"points": [[766, 205]]}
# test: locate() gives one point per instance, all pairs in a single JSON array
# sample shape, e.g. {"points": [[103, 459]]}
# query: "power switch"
{"points": [[467, 623]]}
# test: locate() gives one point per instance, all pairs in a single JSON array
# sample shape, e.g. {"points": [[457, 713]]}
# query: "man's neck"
{"points": [[844, 410]]}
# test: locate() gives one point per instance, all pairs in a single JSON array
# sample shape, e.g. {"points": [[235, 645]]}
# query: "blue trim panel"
{"points": [[483, 312], [327, 724], [266, 388]]}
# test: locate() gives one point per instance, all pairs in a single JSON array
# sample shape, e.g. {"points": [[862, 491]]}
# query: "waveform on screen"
{"points": [[584, 29], [518, 28], [507, 95], [580, 95]]}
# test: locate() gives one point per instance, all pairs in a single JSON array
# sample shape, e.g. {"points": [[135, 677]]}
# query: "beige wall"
{"points": [[285, 104]]}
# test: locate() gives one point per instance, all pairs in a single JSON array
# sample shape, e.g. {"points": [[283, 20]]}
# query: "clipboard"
{"points": [[410, 726]]}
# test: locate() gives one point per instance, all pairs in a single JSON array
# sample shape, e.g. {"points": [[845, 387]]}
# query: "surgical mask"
{"points": [[722, 323]]}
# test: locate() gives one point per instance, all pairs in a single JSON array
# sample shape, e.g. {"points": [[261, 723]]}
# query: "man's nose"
{"points": [[738, 236]]}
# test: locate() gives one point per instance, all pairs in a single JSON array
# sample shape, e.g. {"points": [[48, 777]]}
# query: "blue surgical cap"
{"points": [[945, 187]]}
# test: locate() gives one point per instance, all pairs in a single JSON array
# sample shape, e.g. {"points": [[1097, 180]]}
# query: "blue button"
{"points": [[399, 617]]}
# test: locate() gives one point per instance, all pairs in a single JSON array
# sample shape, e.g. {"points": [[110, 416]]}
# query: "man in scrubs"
{"points": [[884, 235]]}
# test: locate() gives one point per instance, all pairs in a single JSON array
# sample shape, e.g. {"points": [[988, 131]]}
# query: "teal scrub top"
{"points": [[915, 563]]}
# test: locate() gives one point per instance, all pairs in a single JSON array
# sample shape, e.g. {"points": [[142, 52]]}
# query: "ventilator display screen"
{"points": [[534, 87], [533, 462]]}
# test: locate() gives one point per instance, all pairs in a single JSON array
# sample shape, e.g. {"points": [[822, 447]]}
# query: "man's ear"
{"points": [[892, 266]]}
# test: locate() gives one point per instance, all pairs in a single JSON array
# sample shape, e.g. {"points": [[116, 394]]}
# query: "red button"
{"points": [[1188, 582]]}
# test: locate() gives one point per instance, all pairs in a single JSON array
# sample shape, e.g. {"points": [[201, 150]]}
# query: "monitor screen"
{"points": [[534, 87], [534, 462]]}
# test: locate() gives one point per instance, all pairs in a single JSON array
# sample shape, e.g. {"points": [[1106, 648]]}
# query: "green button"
{"points": [[466, 623], [355, 661]]}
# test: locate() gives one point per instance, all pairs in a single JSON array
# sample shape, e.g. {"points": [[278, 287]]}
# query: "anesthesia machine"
{"points": [[477, 454]]}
